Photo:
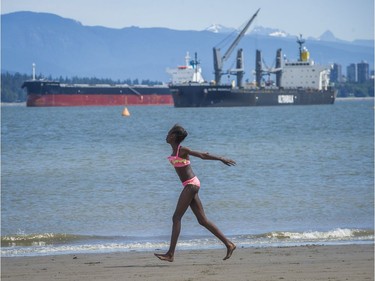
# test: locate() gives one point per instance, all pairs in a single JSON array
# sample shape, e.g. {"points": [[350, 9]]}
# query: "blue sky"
{"points": [[347, 19]]}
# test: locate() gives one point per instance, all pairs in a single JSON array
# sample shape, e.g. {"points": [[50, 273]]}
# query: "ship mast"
{"points": [[218, 60], [33, 71], [187, 59], [300, 41]]}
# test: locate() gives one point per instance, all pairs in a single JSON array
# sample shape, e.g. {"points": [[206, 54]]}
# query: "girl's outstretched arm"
{"points": [[207, 156]]}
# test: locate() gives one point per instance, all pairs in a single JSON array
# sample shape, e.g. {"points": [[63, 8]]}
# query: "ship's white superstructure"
{"points": [[304, 74], [190, 72]]}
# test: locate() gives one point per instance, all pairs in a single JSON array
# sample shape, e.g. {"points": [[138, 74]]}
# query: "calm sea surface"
{"points": [[86, 179]]}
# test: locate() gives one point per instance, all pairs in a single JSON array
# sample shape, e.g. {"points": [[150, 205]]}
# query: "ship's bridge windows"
{"points": [[296, 63]]}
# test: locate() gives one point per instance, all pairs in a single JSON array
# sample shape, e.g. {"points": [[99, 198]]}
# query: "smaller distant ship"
{"points": [[190, 72], [53, 93], [300, 82]]}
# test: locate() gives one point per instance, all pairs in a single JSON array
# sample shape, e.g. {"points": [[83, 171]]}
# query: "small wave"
{"points": [[40, 239], [336, 234]]}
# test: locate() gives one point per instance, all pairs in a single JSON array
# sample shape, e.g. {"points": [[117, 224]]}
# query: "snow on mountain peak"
{"points": [[215, 28], [218, 28], [260, 30], [267, 31]]}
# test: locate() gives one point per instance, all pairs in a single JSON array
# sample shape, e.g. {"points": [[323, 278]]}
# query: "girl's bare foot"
{"points": [[230, 250], [164, 257]]}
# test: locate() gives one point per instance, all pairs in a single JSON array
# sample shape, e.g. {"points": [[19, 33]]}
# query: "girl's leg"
{"points": [[186, 197], [197, 208]]}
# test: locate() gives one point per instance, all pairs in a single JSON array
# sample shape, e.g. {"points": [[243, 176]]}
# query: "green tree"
{"points": [[11, 90], [356, 89]]}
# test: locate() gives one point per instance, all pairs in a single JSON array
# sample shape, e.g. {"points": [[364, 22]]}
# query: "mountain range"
{"points": [[64, 47]]}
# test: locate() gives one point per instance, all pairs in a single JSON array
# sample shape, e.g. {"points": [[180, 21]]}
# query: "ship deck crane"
{"points": [[219, 61]]}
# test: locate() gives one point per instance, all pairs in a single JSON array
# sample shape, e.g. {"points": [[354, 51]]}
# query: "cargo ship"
{"points": [[53, 93], [300, 82]]}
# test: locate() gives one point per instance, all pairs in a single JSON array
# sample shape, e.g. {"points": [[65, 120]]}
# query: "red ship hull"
{"points": [[51, 93], [97, 100]]}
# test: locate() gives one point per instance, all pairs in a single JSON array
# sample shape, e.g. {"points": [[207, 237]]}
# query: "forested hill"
{"points": [[64, 47]]}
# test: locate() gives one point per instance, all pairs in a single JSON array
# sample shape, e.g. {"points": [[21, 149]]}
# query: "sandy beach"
{"points": [[348, 262]]}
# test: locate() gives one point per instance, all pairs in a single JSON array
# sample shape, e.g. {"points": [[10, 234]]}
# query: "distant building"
{"points": [[363, 71], [336, 73], [351, 73]]}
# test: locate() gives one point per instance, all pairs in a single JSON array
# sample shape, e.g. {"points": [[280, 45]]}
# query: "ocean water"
{"points": [[86, 179]]}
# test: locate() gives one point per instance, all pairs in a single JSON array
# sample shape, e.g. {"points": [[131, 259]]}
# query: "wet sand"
{"points": [[346, 262]]}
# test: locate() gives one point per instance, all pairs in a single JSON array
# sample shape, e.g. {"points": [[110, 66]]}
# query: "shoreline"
{"points": [[63, 244], [354, 98], [315, 262]]}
